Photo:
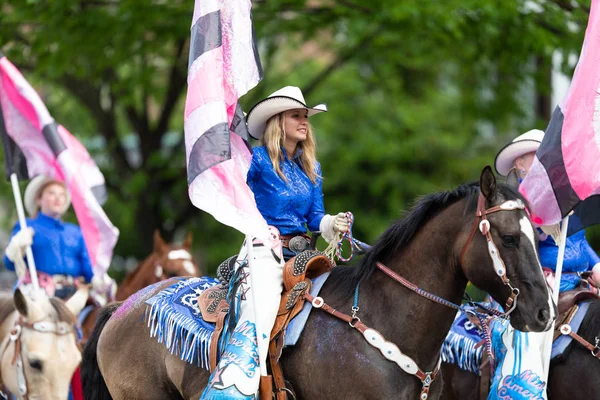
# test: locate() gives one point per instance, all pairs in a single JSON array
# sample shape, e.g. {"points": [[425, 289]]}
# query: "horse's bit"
{"points": [[485, 228], [57, 328]]}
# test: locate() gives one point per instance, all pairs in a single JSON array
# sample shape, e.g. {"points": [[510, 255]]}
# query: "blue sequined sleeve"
{"points": [[594, 259], [86, 264], [7, 263], [254, 171], [317, 208]]}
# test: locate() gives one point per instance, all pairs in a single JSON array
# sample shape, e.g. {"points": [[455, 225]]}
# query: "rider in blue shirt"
{"points": [[58, 247], [579, 255], [285, 175], [285, 178]]}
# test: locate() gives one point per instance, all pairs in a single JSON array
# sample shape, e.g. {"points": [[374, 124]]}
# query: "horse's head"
{"points": [[500, 256], [173, 260], [42, 351]]}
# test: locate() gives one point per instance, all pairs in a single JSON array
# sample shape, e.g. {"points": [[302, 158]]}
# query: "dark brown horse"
{"points": [[332, 360], [165, 261], [574, 377]]}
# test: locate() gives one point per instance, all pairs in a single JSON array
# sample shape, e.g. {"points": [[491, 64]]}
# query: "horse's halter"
{"points": [[60, 328], [172, 255], [485, 228]]}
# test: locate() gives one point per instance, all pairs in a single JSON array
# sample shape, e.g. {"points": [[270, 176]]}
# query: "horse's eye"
{"points": [[511, 241], [36, 364]]}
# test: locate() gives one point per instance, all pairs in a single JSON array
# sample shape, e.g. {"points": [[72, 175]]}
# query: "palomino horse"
{"points": [[40, 349], [332, 360], [576, 377], [165, 261]]}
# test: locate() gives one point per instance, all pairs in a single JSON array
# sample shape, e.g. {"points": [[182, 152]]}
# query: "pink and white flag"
{"points": [[50, 150], [565, 174], [223, 66]]}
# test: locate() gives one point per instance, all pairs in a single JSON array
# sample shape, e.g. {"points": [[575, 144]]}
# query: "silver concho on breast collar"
{"points": [[298, 244]]}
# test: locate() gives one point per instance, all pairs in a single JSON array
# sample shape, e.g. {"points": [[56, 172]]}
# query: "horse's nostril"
{"points": [[543, 315]]}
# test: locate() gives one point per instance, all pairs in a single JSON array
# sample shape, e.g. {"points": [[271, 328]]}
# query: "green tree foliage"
{"points": [[421, 93]]}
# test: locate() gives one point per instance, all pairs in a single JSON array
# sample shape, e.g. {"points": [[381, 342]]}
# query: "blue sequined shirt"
{"points": [[579, 257], [58, 248], [289, 206]]}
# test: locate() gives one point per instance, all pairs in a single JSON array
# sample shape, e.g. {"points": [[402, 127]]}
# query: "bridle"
{"points": [[485, 229], [172, 255], [60, 328]]}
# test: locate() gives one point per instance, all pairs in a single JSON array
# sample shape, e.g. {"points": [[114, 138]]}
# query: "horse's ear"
{"points": [[20, 302], [26, 306], [512, 179], [76, 302], [187, 243], [487, 182], [159, 244]]}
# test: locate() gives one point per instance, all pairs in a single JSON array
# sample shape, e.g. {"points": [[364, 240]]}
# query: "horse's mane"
{"points": [[402, 231], [63, 314]]}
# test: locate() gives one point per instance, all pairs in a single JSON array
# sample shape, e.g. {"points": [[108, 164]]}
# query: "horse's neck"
{"points": [[142, 276], [416, 324]]}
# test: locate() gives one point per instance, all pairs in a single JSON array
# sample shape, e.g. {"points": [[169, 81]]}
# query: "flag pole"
{"points": [[23, 223], [555, 291]]}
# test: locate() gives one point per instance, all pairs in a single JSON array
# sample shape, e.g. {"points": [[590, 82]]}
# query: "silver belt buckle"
{"points": [[298, 244]]}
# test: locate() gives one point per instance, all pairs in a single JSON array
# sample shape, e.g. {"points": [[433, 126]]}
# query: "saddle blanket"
{"points": [[174, 318], [459, 346]]}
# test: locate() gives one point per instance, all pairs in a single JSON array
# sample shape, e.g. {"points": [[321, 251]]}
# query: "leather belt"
{"points": [[297, 243]]}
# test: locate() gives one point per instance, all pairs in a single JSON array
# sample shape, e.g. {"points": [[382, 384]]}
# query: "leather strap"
{"points": [[265, 391], [426, 378], [277, 372], [484, 376], [595, 350], [285, 239], [214, 339]]}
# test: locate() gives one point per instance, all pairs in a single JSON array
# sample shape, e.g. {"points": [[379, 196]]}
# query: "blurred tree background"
{"points": [[421, 93]]}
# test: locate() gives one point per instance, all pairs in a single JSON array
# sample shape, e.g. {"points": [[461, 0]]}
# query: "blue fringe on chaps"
{"points": [[257, 282]]}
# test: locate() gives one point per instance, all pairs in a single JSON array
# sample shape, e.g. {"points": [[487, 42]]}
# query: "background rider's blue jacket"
{"points": [[289, 206], [579, 257], [58, 248]]}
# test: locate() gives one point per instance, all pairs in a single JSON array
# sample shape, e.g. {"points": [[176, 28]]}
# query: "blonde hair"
{"points": [[273, 141]]}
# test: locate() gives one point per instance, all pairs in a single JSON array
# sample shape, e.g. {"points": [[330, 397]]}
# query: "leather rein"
{"points": [[60, 328], [390, 350]]}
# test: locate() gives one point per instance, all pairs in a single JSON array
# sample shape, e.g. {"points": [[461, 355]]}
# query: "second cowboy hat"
{"points": [[287, 98], [521, 145], [33, 189]]}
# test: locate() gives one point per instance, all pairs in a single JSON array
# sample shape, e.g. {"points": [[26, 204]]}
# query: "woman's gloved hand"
{"points": [[16, 247], [341, 223], [331, 225]]}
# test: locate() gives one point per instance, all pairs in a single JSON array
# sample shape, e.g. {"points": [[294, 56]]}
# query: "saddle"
{"points": [[297, 275], [568, 299]]}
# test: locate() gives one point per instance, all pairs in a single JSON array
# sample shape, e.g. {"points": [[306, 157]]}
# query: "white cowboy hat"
{"points": [[287, 98], [523, 144], [32, 190]]}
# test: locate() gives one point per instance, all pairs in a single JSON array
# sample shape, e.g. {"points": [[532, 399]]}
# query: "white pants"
{"points": [[244, 357]]}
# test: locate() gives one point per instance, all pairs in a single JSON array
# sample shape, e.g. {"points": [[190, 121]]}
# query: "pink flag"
{"points": [[223, 66], [50, 150], [565, 174]]}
